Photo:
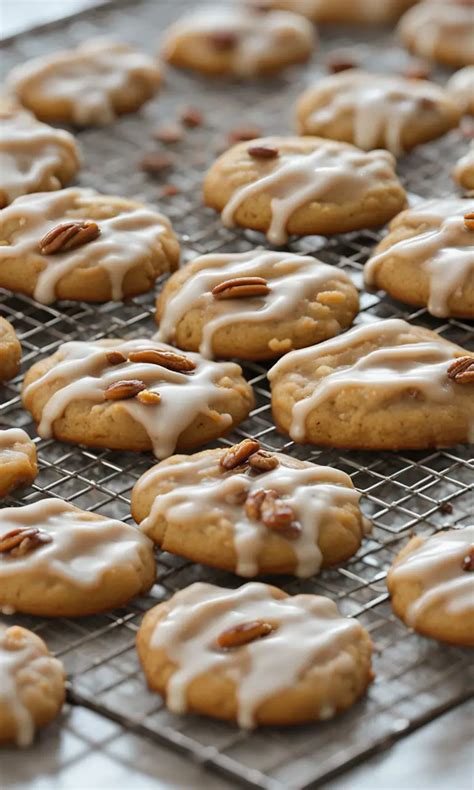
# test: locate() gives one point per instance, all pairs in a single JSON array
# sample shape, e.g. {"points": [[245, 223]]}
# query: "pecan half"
{"points": [[22, 540], [253, 504], [469, 220], [116, 358], [223, 40], [149, 398], [243, 634], [239, 453], [462, 370], [468, 561], [263, 461], [67, 236], [267, 507], [240, 288], [262, 152], [167, 359], [122, 390]]}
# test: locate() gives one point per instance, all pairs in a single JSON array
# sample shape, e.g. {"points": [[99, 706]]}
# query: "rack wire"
{"points": [[417, 679]]}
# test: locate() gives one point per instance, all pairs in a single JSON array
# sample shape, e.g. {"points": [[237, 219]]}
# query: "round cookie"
{"points": [[463, 172], [365, 12], [77, 244], [441, 30], [254, 655], [461, 87], [10, 351], [376, 110], [32, 690], [431, 584], [89, 85], [17, 460], [59, 561], [134, 395], [303, 186], [387, 385], [427, 258], [254, 305], [34, 157], [241, 42]]}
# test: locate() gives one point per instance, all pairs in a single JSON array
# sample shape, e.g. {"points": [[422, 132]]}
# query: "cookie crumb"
{"points": [[170, 189], [191, 117], [341, 60], [171, 133], [445, 507], [155, 163]]}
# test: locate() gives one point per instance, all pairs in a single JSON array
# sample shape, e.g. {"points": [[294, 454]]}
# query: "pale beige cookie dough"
{"points": [[461, 87], [254, 655], [32, 690], [238, 41], [89, 85], [80, 245], [368, 12], [17, 460], [135, 395], [303, 186], [376, 110], [387, 385], [249, 511], [432, 586], [59, 561], [34, 157], [254, 305], [427, 258], [463, 172], [10, 351], [440, 30]]}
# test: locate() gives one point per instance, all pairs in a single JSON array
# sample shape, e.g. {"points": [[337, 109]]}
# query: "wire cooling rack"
{"points": [[417, 679]]}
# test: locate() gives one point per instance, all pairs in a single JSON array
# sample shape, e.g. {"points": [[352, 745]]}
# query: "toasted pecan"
{"points": [[241, 287], [115, 358], [167, 359], [239, 453], [149, 398], [468, 561], [68, 235], [263, 461], [123, 390], [22, 540], [462, 370], [243, 634], [266, 506], [262, 151]]}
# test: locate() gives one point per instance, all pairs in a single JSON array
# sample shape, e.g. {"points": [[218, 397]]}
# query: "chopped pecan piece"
{"points": [[267, 507], [468, 561], [239, 453], [253, 504], [122, 390], [21, 541], [263, 461], [462, 370], [223, 40], [115, 358], [243, 634], [167, 359], [469, 220], [149, 398], [241, 288], [67, 236], [262, 152]]}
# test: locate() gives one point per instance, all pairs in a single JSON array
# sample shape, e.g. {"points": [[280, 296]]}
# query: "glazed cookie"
{"points": [[88, 86], [245, 510], [381, 386], [368, 12], [254, 655], [80, 245], [463, 173], [32, 690], [34, 157], [17, 460], [10, 351], [59, 561], [256, 305], [432, 586], [238, 41], [427, 258], [303, 186], [134, 395], [441, 30], [376, 110], [461, 88]]}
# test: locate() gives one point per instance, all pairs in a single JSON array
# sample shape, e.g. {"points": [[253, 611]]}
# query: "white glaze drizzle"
{"points": [[447, 250], [310, 634], [124, 240], [293, 279], [436, 565], [84, 373], [315, 493], [428, 25], [461, 88], [395, 366], [333, 172]]}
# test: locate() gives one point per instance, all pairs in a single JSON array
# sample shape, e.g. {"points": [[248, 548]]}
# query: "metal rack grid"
{"points": [[417, 679]]}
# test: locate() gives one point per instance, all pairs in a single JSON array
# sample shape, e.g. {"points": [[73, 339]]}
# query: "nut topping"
{"points": [[238, 454], [262, 152], [461, 370], [267, 507], [122, 390], [167, 359], [116, 358], [263, 461], [149, 398], [67, 236], [469, 220], [468, 561], [20, 541], [241, 287], [243, 634]]}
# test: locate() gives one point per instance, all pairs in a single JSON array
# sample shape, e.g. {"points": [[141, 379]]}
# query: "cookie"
{"points": [[461, 87], [442, 31], [32, 690], [368, 12], [89, 85], [237, 41], [303, 186], [77, 244], [387, 385], [427, 258], [376, 110], [34, 157], [254, 655], [254, 305], [59, 561], [134, 395], [432, 586], [17, 460], [463, 172], [10, 351]]}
